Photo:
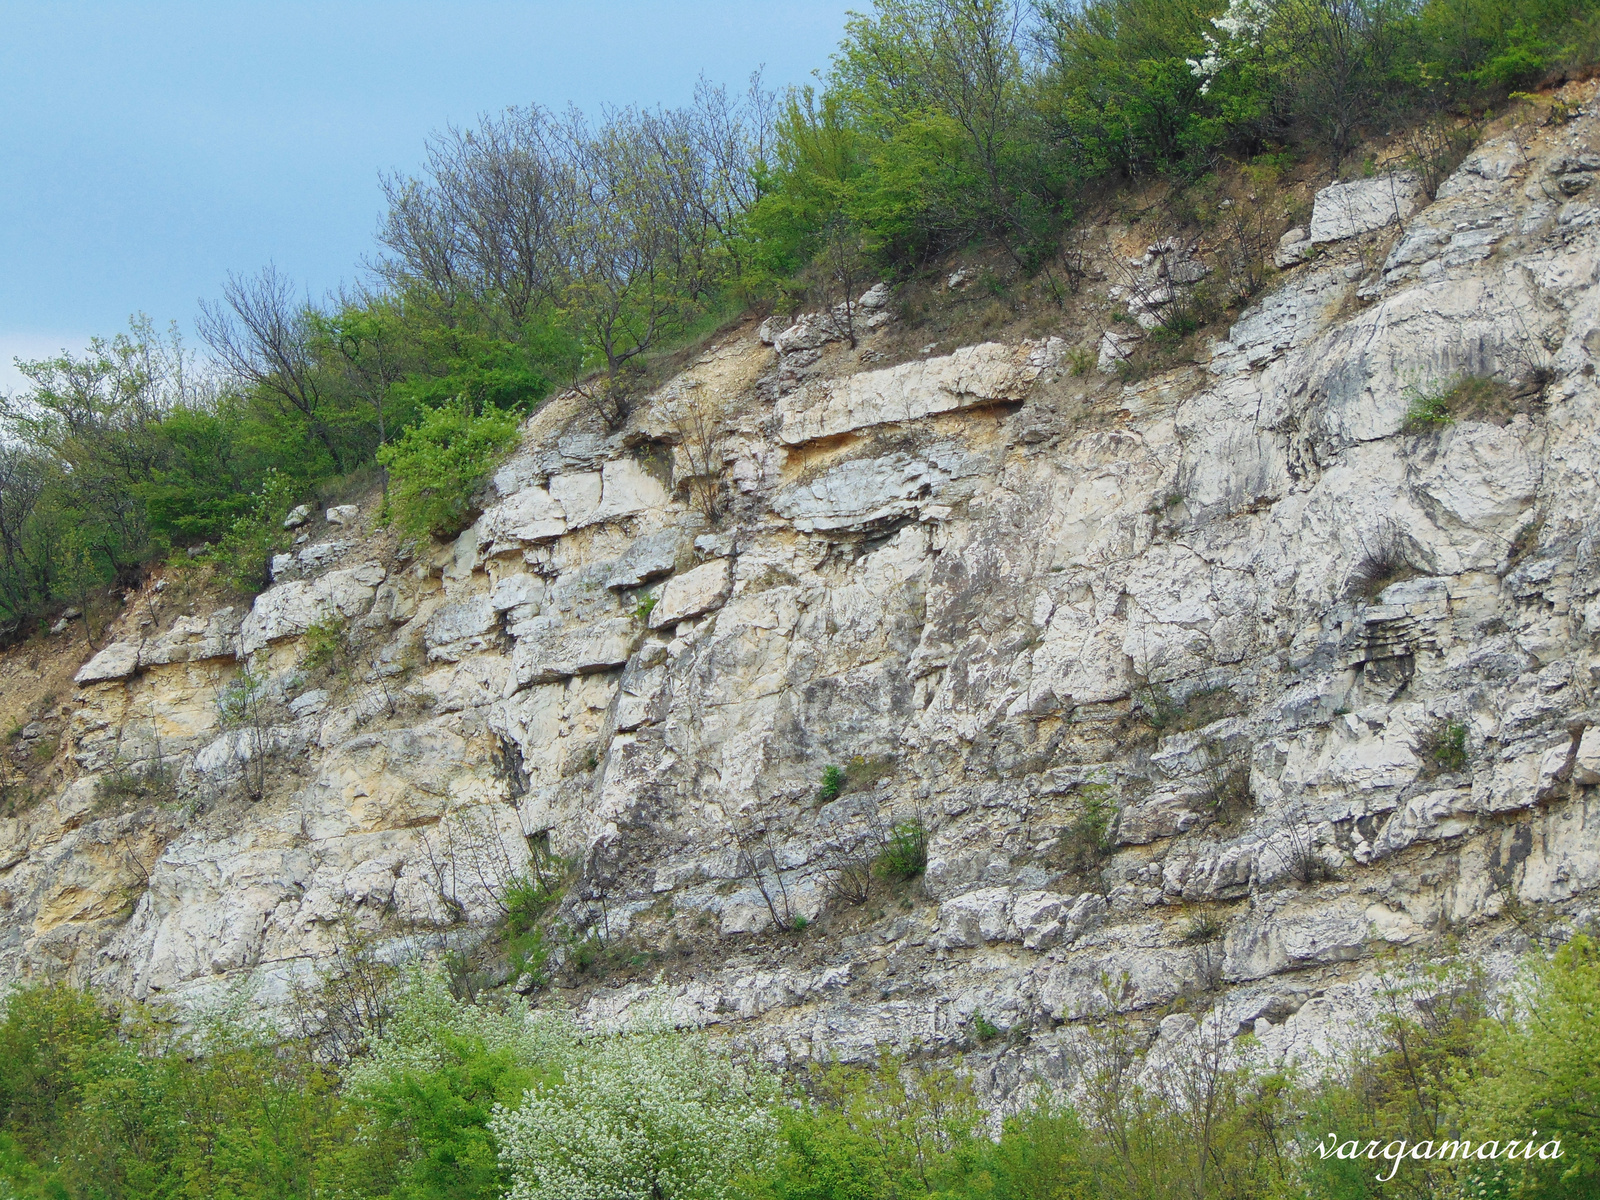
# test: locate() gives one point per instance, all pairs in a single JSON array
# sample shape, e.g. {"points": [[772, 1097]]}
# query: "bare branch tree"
{"points": [[264, 336]]}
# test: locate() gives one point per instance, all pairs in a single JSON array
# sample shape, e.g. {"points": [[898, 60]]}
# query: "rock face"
{"points": [[1209, 685]]}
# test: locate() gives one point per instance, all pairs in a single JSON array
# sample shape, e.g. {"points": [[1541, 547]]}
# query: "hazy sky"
{"points": [[146, 149]]}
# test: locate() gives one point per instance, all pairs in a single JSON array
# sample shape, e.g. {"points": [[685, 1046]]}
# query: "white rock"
{"points": [[1116, 346], [861, 493], [194, 639], [298, 516], [875, 297], [1586, 767], [1344, 210], [525, 517], [983, 374], [646, 558], [693, 592], [1293, 246], [116, 661], [289, 609], [342, 514], [548, 652]]}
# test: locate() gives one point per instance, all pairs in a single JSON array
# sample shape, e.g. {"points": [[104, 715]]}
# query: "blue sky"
{"points": [[146, 149]]}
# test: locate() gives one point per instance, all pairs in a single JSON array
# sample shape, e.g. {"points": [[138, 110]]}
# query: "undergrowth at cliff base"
{"points": [[443, 1097]]}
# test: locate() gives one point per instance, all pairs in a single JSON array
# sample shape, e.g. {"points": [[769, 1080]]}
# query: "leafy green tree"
{"points": [[430, 1086], [1540, 1069]]}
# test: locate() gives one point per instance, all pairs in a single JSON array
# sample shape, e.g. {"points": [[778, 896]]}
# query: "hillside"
{"points": [[1212, 688]]}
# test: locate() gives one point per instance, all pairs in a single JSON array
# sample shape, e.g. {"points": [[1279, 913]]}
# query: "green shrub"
{"points": [[324, 644], [439, 463], [833, 781], [244, 556], [1540, 1069], [905, 853], [1086, 842]]}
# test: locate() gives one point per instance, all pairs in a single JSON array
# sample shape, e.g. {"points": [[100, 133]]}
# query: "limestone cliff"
{"points": [[1328, 680]]}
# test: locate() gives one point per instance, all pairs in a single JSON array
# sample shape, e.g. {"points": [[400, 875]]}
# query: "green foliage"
{"points": [[1444, 747], [430, 1086], [1086, 841], [1539, 1068], [833, 780], [1426, 410], [456, 1100], [323, 644], [245, 553], [889, 1131], [440, 462], [905, 853]]}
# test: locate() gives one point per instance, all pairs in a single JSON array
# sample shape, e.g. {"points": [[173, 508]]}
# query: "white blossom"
{"points": [[1242, 25], [426, 1014], [640, 1115]]}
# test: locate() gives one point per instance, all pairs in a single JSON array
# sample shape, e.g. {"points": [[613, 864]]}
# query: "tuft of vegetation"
{"points": [[1469, 398], [1087, 841], [1443, 748], [148, 783], [324, 645], [1388, 556], [833, 781], [1205, 926], [904, 855]]}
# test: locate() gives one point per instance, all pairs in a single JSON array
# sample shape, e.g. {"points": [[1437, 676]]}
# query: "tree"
{"points": [[479, 229], [266, 339], [1540, 1069], [636, 262]]}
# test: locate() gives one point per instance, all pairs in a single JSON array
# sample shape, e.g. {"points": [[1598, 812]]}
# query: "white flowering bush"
{"points": [[646, 1115], [430, 1027]]}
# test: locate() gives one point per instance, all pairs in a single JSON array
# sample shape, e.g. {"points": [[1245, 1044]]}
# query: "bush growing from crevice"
{"points": [[833, 780], [436, 465], [1443, 748], [1087, 841], [904, 855], [1388, 555]]}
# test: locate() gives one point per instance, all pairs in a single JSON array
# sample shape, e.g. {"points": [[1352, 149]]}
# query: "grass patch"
{"points": [[156, 783], [862, 773], [1468, 398], [1205, 706]]}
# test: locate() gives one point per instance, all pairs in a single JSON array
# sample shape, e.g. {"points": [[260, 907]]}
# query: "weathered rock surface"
{"points": [[1234, 609]]}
